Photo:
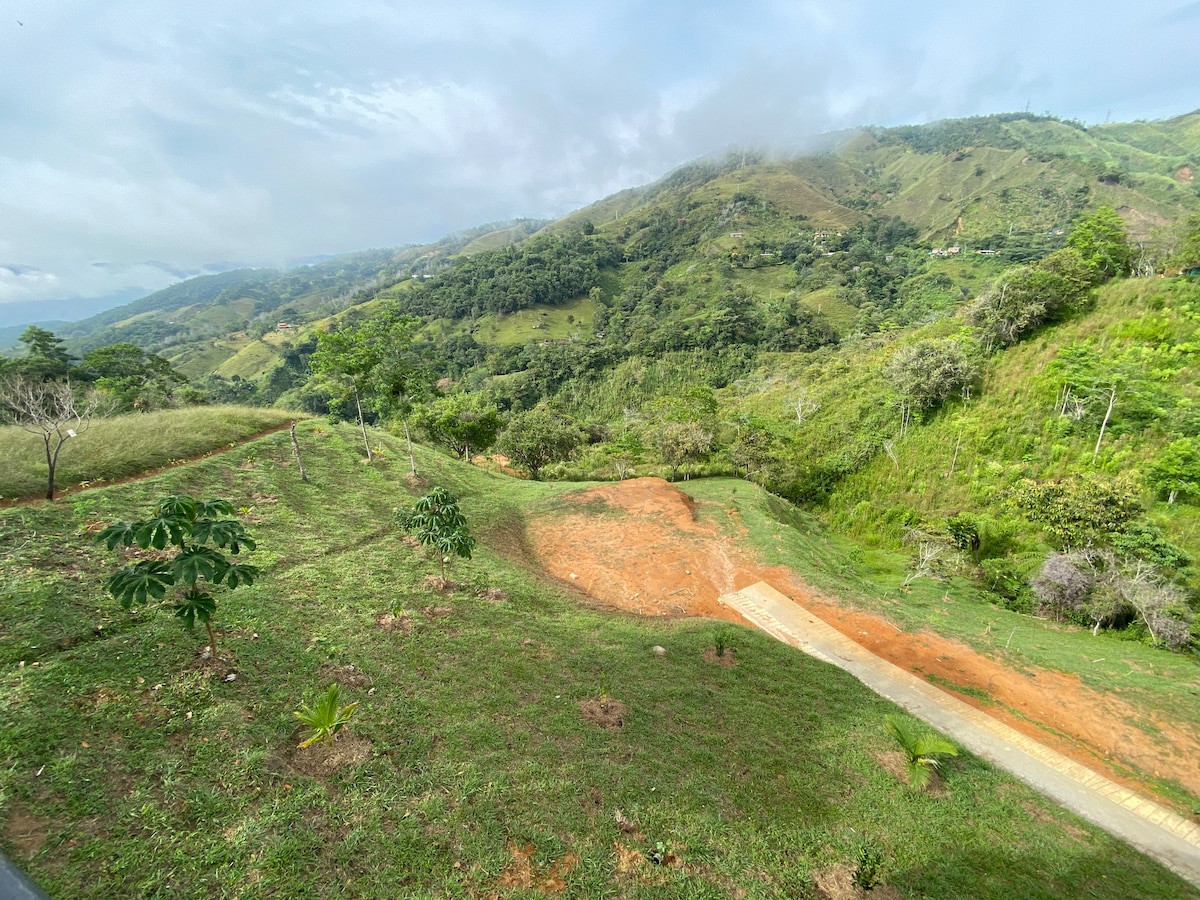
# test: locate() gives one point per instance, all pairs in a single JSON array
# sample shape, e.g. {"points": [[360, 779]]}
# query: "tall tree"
{"points": [[538, 437], [370, 362], [1103, 242], [134, 378], [45, 357], [460, 422]]}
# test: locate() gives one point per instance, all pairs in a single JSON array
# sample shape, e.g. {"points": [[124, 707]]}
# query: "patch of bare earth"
{"points": [[837, 883], [347, 676], [893, 761], [390, 622], [725, 659], [324, 758], [24, 831], [604, 711], [640, 546]]}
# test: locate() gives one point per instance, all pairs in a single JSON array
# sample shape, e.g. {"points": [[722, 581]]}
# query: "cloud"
{"points": [[269, 131]]}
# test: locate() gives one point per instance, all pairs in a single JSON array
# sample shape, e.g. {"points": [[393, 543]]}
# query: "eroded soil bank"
{"points": [[640, 546]]}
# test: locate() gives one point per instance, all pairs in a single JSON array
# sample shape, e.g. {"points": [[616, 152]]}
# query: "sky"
{"points": [[144, 142]]}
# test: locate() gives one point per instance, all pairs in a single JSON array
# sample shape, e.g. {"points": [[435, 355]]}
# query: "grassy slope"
{"points": [[1161, 685], [140, 776], [538, 323], [127, 445]]}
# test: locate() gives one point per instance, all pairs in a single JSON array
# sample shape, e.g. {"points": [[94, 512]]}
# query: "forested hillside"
{"points": [[955, 339]]}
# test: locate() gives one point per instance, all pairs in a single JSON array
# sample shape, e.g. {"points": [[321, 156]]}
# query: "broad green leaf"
{"points": [[118, 534], [222, 533], [194, 563], [210, 509], [195, 606], [177, 506], [240, 573], [140, 583], [160, 531]]}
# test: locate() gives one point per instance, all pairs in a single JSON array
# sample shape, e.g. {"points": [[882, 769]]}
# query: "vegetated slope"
{"points": [[744, 229], [256, 299], [873, 481], [127, 445], [475, 763]]}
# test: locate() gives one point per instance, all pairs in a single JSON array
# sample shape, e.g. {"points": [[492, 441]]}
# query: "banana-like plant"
{"points": [[921, 751], [325, 717]]}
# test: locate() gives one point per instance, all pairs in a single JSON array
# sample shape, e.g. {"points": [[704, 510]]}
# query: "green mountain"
{"points": [[1012, 184]]}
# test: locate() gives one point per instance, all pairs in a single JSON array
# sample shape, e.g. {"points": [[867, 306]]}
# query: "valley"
{"points": [[937, 383]]}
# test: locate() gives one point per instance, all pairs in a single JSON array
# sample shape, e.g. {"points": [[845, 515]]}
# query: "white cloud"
{"points": [[262, 132]]}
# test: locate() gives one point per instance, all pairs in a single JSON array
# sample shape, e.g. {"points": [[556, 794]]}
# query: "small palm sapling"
{"points": [[921, 752], [325, 717]]}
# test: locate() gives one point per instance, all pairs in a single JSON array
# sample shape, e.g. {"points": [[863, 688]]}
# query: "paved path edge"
{"points": [[1151, 828]]}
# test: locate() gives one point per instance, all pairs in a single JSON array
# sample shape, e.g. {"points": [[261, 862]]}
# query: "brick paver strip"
{"points": [[1151, 828]]}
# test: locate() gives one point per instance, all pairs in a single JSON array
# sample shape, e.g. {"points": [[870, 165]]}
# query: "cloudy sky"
{"points": [[141, 142]]}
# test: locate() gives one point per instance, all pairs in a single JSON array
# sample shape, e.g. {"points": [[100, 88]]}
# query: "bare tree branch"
{"points": [[49, 409]]}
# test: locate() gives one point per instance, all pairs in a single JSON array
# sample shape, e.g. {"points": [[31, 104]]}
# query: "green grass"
{"points": [[841, 315], [125, 771], [1160, 685], [127, 445], [250, 362], [538, 323]]}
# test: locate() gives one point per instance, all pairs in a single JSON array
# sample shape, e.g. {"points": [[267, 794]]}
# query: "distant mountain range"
{"points": [[1007, 185]]}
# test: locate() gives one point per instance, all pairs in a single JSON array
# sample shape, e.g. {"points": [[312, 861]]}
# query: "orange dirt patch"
{"points": [[1055, 708], [525, 874], [639, 546]]}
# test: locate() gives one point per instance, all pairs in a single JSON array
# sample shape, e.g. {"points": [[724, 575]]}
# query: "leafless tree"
{"points": [[805, 406], [49, 409], [929, 550]]}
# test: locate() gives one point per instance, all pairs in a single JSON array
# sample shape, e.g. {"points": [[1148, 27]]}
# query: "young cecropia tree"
{"points": [[436, 521], [192, 538]]}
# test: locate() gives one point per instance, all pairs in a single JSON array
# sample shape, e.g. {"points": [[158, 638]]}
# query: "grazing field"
{"points": [[127, 445], [511, 740]]}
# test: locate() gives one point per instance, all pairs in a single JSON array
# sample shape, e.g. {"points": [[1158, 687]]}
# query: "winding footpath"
{"points": [[1151, 828]]}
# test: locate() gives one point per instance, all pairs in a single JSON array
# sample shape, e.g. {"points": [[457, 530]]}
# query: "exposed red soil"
{"points": [[640, 547]]}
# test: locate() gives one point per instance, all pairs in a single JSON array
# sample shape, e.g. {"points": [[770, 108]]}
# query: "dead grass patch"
{"points": [[604, 711], [325, 758], [524, 873]]}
